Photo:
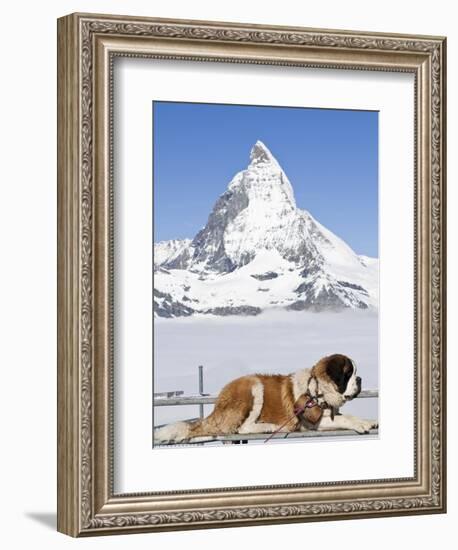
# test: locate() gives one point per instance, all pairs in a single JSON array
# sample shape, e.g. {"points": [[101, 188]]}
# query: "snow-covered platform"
{"points": [[260, 438]]}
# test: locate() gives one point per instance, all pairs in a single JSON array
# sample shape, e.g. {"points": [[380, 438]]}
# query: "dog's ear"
{"points": [[339, 369]]}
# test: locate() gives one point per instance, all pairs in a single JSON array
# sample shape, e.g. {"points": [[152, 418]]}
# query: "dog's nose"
{"points": [[358, 380]]}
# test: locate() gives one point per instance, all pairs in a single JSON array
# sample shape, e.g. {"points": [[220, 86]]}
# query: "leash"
{"points": [[299, 409], [309, 403]]}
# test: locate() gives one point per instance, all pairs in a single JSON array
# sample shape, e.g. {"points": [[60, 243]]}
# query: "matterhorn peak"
{"points": [[266, 178], [258, 250], [260, 153]]}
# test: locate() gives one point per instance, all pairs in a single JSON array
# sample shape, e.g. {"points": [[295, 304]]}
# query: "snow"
{"points": [[238, 287], [166, 250], [275, 341]]}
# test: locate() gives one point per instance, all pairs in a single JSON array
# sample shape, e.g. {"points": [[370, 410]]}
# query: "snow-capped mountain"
{"points": [[167, 251], [259, 251]]}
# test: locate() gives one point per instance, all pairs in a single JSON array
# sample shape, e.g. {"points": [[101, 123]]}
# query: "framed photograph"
{"points": [[251, 289]]}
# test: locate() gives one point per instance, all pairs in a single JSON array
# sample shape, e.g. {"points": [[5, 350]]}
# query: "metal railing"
{"points": [[209, 399]]}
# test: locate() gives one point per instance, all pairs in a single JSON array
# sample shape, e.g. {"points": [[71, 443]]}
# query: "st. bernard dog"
{"points": [[308, 399]]}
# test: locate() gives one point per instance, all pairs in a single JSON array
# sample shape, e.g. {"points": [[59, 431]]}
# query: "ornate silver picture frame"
{"points": [[88, 45]]}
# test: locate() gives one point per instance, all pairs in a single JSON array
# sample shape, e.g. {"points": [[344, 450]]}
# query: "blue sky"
{"points": [[329, 155]]}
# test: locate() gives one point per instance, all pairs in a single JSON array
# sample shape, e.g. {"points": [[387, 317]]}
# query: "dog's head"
{"points": [[337, 377]]}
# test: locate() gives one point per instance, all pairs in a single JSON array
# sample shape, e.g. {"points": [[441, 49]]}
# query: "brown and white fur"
{"points": [[264, 403]]}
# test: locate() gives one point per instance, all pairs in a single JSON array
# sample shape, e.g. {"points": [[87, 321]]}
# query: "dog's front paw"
{"points": [[362, 426]]}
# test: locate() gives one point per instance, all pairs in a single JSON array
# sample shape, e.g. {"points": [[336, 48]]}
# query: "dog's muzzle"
{"points": [[357, 392], [358, 383]]}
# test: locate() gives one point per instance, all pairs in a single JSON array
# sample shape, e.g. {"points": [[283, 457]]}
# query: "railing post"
{"points": [[201, 389]]}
